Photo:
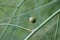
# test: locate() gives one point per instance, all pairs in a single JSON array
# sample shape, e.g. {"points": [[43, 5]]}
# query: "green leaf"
{"points": [[15, 24]]}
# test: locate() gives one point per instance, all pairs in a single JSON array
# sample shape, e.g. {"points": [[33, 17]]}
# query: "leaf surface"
{"points": [[15, 24]]}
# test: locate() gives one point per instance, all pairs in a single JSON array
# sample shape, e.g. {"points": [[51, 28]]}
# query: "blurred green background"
{"points": [[15, 24]]}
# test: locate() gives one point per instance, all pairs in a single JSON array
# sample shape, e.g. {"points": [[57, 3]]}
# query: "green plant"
{"points": [[15, 24]]}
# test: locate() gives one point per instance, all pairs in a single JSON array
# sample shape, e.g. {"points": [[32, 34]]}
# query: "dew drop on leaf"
{"points": [[32, 19]]}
